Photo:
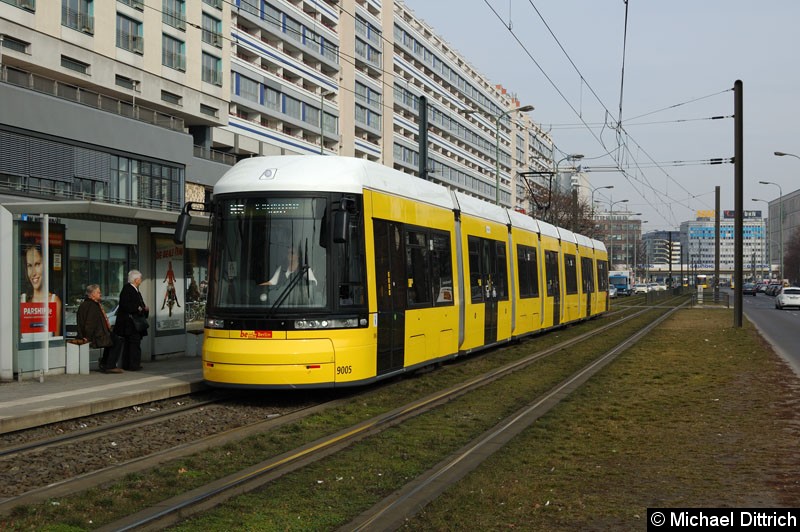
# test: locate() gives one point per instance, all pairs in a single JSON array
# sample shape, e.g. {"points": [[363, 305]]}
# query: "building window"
{"points": [[249, 89], [169, 97], [292, 107], [208, 110], [174, 13], [212, 30], [15, 44], [212, 69], [125, 82], [173, 53], [214, 3], [78, 15], [129, 34], [136, 4], [28, 5], [272, 98], [74, 64]]}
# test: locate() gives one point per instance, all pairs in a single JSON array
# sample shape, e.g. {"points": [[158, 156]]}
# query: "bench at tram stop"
{"points": [[194, 341], [78, 356]]}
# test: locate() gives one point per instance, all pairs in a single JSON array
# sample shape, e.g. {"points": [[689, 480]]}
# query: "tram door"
{"points": [[553, 283], [390, 281], [587, 272], [487, 265]]}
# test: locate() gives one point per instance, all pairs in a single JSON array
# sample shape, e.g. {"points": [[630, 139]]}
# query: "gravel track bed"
{"points": [[39, 468]]}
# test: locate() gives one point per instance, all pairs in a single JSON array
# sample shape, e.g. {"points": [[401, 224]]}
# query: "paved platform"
{"points": [[30, 403]]}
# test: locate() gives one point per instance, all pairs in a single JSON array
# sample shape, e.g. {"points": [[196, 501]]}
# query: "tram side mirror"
{"points": [[184, 219], [341, 221], [182, 227]]}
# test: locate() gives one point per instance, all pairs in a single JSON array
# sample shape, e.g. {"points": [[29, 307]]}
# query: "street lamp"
{"points": [[780, 200], [627, 240], [523, 109], [636, 243], [497, 118], [769, 248], [784, 154], [571, 157], [322, 95], [611, 229], [595, 190]]}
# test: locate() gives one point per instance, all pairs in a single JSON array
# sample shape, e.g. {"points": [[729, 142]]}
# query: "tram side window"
{"points": [[475, 280], [571, 273], [551, 272], [442, 269], [528, 271], [429, 268], [419, 289], [588, 275], [349, 264], [500, 279], [602, 275], [487, 269]]}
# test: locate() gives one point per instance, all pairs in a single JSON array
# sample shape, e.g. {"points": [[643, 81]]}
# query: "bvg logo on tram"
{"points": [[255, 335]]}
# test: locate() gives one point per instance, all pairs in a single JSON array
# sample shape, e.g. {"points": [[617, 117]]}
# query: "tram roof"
{"points": [[310, 173], [481, 209], [326, 173]]}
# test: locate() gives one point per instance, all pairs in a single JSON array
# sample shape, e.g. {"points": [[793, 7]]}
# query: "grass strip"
{"points": [[698, 414], [98, 506]]}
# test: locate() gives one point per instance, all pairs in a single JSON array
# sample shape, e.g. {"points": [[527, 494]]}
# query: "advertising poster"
{"points": [[169, 304], [33, 302]]}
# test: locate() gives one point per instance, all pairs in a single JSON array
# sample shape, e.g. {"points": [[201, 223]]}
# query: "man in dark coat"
{"points": [[93, 326], [131, 304]]}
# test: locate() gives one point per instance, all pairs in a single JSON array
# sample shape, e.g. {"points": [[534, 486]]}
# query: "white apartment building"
{"points": [[102, 101], [363, 66], [116, 112], [698, 241]]}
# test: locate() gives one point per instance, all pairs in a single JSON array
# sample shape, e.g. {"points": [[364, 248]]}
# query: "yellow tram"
{"points": [[335, 271]]}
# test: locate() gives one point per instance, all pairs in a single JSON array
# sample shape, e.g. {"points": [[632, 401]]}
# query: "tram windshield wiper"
{"points": [[299, 274]]}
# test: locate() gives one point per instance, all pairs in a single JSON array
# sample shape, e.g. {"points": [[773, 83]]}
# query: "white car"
{"points": [[640, 289], [789, 296]]}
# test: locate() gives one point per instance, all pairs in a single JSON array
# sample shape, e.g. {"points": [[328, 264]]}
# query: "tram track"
{"points": [[48, 467], [14, 451], [209, 496]]}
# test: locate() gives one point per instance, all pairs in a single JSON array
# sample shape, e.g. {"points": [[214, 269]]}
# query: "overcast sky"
{"points": [[681, 61]]}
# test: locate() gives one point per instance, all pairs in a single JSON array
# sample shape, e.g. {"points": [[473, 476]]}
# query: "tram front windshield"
{"points": [[272, 255]]}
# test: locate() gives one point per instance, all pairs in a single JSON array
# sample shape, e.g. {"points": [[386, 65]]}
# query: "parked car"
{"points": [[612, 291], [749, 289], [110, 305], [789, 296]]}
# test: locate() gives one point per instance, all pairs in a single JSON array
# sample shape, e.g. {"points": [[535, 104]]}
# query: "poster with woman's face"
{"points": [[35, 269]]}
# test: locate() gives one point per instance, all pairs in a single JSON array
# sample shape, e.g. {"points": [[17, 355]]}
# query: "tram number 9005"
{"points": [[344, 370]]}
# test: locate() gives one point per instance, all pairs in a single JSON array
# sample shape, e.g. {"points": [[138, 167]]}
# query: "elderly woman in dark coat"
{"points": [[93, 326]]}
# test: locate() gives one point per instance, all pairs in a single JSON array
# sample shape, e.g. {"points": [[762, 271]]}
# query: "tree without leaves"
{"points": [[557, 208]]}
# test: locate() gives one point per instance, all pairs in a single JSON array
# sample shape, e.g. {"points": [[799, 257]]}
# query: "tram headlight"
{"points": [[341, 323], [212, 323]]}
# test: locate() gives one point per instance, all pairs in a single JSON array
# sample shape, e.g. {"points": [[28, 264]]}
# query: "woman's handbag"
{"points": [[140, 323]]}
